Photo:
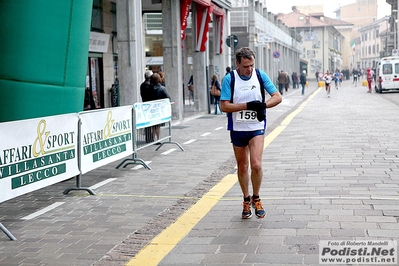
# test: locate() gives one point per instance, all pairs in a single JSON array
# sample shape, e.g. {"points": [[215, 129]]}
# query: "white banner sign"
{"points": [[98, 42], [152, 113], [36, 153], [154, 61], [106, 136], [265, 38]]}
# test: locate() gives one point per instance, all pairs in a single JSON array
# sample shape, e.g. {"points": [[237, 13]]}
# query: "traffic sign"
{"points": [[232, 40], [276, 54]]}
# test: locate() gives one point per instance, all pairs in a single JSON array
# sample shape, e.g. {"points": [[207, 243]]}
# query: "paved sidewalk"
{"points": [[131, 205], [332, 173]]}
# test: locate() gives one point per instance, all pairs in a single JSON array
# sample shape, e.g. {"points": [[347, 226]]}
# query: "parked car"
{"points": [[387, 75]]}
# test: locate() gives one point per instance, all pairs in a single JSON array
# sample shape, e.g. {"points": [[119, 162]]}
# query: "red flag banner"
{"points": [[219, 14], [219, 34], [184, 12], [203, 17]]}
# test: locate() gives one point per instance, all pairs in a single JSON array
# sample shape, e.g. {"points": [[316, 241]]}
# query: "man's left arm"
{"points": [[276, 97]]}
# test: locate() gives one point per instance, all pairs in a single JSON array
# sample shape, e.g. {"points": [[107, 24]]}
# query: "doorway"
{"points": [[94, 93]]}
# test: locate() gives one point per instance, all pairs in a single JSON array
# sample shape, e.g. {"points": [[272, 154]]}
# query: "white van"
{"points": [[387, 75]]}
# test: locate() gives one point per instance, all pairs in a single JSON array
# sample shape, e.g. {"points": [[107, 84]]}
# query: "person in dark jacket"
{"points": [[146, 87], [282, 80], [159, 92], [146, 91], [215, 82]]}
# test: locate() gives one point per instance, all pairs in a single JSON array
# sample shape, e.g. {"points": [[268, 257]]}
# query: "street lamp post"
{"points": [[394, 27], [386, 37], [394, 32]]}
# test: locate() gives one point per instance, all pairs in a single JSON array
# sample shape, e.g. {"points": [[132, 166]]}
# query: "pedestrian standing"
{"points": [[282, 80], [146, 92], [287, 84], [336, 78], [370, 76], [302, 79], [216, 93], [341, 76], [243, 99], [296, 80], [162, 75], [190, 86], [228, 69], [293, 80], [355, 76], [159, 92], [146, 87]]}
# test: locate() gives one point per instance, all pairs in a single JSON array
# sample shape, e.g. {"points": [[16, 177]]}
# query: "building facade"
{"points": [[181, 38], [168, 37], [371, 43], [360, 13], [321, 42], [271, 40]]}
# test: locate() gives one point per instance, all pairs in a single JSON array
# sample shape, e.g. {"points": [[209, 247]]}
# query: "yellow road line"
{"points": [[162, 244]]}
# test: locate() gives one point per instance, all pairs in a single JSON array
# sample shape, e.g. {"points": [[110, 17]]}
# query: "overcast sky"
{"points": [[329, 6]]}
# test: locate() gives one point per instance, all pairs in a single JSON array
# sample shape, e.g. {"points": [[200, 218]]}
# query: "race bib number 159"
{"points": [[246, 116]]}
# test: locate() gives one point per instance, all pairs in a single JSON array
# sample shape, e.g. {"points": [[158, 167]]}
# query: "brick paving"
{"points": [[331, 174]]}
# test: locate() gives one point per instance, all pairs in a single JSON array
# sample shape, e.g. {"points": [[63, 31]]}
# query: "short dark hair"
{"points": [[228, 69], [155, 78], [244, 52]]}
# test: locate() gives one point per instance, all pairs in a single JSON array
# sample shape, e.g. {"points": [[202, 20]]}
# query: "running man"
{"points": [[328, 79], [243, 100]]}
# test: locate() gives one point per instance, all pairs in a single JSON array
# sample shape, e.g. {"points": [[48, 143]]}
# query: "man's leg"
{"points": [[256, 151], [241, 154], [256, 145]]}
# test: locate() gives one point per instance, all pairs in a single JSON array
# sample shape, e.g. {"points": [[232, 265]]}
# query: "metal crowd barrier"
{"points": [[40, 152], [149, 117]]}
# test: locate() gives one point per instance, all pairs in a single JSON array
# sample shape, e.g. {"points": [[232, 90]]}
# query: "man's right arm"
{"points": [[225, 96], [229, 107]]}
